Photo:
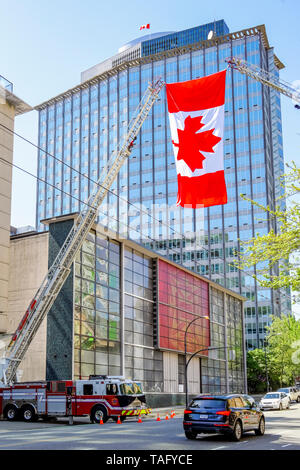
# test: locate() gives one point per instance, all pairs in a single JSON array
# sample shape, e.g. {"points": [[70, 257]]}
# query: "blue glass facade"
{"points": [[183, 38], [84, 126]]}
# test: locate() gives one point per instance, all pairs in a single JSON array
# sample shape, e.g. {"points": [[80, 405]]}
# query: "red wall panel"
{"points": [[182, 296]]}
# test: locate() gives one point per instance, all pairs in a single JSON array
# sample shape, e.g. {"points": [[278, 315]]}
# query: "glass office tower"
{"points": [[82, 127]]}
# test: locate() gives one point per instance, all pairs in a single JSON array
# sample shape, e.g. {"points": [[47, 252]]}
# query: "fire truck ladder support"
{"points": [[266, 78], [58, 272]]}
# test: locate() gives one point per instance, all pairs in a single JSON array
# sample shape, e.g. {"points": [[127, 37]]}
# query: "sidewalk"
{"points": [[168, 410], [179, 409]]}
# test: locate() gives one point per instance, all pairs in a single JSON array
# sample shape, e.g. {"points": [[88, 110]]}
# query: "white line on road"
{"points": [[286, 445], [217, 448]]}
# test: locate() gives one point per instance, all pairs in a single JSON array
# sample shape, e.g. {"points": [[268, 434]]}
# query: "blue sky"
{"points": [[45, 45]]}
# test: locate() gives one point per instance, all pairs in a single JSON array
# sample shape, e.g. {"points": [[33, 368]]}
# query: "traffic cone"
{"points": [[101, 421], [140, 419], [167, 417], [172, 414], [119, 421], [158, 418]]}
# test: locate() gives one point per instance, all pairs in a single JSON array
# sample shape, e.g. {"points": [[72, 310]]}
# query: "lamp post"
{"points": [[209, 348], [206, 317]]}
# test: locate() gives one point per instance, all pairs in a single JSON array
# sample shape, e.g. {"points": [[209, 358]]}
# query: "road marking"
{"points": [[217, 448], [286, 445]]}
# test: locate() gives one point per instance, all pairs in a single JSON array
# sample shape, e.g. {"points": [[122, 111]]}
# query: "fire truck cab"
{"points": [[101, 397]]}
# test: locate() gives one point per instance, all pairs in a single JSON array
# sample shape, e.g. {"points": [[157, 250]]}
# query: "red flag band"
{"points": [[196, 113], [145, 26]]}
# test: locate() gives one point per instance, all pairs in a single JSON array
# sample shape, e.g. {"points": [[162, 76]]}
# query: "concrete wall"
{"points": [[170, 361], [7, 115], [28, 267]]}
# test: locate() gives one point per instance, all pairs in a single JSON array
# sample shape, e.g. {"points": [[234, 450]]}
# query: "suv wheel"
{"points": [[261, 428], [298, 399], [190, 435], [280, 406], [237, 432]]}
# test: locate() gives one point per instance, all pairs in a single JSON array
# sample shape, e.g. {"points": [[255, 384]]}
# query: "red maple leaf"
{"points": [[191, 144]]}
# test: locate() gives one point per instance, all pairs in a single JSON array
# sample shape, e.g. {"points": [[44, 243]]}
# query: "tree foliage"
{"points": [[280, 358], [278, 249], [283, 342]]}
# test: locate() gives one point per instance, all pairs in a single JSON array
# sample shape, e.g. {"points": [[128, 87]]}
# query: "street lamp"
{"points": [[206, 317], [209, 348]]}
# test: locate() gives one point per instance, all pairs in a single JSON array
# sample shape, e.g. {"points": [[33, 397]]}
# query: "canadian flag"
{"points": [[196, 113], [145, 26]]}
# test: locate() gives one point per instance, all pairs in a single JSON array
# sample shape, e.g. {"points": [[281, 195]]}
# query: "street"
{"points": [[282, 433]]}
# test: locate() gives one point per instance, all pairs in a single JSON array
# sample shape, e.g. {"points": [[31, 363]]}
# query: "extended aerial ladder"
{"points": [[265, 77], [60, 269]]}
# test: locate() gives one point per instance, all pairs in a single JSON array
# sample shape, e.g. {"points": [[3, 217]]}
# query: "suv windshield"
{"points": [[208, 403], [285, 390], [132, 388]]}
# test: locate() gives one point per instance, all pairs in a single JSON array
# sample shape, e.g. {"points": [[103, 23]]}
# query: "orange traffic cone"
{"points": [[167, 417], [158, 418], [119, 420], [140, 419], [101, 421], [172, 414]]}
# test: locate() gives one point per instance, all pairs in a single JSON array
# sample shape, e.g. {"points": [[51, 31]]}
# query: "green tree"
{"points": [[256, 371], [278, 251], [279, 359], [283, 341]]}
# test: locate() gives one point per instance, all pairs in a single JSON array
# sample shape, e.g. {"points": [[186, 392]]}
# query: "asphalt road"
{"points": [[282, 433]]}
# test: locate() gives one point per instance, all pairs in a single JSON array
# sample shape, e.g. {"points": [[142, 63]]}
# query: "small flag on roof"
{"points": [[145, 26]]}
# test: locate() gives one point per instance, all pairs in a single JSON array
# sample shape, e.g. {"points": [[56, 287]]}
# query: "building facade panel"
{"points": [[182, 297], [28, 267], [10, 106]]}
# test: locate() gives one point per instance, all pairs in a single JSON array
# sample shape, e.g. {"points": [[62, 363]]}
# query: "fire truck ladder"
{"points": [[58, 272], [265, 77]]}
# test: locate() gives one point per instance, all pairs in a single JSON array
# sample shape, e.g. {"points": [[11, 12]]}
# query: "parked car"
{"points": [[292, 393], [226, 414], [250, 399], [274, 401]]}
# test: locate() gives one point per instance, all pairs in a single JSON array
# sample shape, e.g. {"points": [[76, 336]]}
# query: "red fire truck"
{"points": [[100, 397]]}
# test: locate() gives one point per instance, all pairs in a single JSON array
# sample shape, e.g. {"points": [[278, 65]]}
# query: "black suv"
{"points": [[226, 414]]}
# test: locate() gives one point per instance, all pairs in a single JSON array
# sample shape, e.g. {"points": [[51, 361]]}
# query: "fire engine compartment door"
{"points": [[41, 400], [57, 404]]}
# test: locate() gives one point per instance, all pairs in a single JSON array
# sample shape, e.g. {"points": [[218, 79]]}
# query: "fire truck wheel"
{"points": [[28, 413], [115, 418], [11, 413], [97, 413]]}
